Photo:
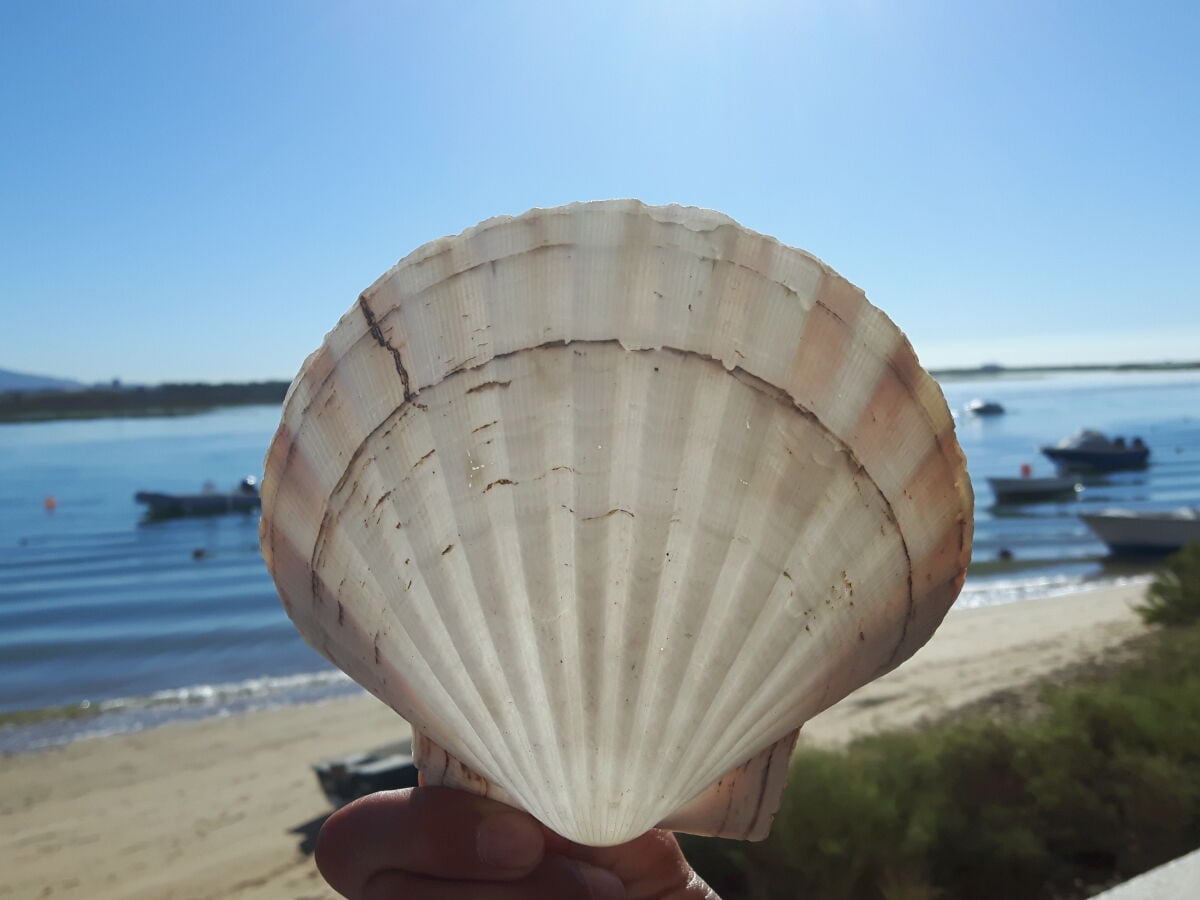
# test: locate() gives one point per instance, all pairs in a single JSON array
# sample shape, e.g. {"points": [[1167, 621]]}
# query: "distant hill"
{"points": [[22, 381]]}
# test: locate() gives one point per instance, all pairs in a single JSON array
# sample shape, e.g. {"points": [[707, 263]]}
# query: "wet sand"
{"points": [[228, 808]]}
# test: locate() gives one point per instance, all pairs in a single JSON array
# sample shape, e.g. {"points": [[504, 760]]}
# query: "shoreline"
{"points": [[33, 404], [228, 807], [35, 729]]}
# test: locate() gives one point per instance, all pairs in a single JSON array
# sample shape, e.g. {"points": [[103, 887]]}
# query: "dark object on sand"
{"points": [[210, 502], [385, 768]]}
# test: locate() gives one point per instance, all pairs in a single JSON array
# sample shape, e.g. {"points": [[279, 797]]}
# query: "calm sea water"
{"points": [[104, 615]]}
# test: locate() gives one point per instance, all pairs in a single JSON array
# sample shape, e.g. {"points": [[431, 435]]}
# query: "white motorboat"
{"points": [[1127, 532]]}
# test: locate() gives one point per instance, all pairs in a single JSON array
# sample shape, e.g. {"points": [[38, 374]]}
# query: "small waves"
{"points": [[36, 729], [1009, 590]]}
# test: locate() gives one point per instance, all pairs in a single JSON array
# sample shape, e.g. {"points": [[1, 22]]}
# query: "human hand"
{"points": [[434, 843]]}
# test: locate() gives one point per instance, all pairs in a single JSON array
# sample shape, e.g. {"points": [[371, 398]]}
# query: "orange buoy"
{"points": [[50, 503]]}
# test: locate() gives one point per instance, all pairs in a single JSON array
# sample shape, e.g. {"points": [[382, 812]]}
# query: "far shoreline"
{"points": [[136, 402], [998, 371], [183, 399]]}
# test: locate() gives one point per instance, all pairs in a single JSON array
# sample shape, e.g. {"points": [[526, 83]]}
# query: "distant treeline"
{"points": [[181, 399], [161, 400], [996, 370]]}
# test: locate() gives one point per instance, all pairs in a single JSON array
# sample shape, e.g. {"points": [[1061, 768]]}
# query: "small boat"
{"points": [[1093, 450], [981, 407], [209, 502], [1129, 532], [1027, 489]]}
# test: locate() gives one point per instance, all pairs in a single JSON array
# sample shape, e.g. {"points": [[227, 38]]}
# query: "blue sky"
{"points": [[197, 191]]}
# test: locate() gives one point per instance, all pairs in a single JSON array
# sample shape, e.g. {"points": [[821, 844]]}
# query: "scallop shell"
{"points": [[607, 501]]}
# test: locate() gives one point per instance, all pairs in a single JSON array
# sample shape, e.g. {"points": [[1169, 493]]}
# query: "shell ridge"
{"points": [[711, 626], [530, 558], [568, 631], [857, 463], [644, 537], [708, 733], [597, 530], [311, 382], [302, 392], [647, 686], [432, 632], [737, 738], [387, 611], [339, 490], [629, 458], [769, 703], [664, 667], [650, 546], [336, 504], [612, 389], [341, 639], [766, 701], [490, 679]]}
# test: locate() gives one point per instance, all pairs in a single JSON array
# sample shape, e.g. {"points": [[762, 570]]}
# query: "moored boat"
{"points": [[209, 502], [981, 407], [1019, 490], [1128, 532], [1093, 450]]}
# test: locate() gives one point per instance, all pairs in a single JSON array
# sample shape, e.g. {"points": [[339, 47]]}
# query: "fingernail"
{"points": [[508, 841], [601, 884]]}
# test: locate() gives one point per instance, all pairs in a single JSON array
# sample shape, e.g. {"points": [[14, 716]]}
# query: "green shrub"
{"points": [[1103, 785], [1174, 597]]}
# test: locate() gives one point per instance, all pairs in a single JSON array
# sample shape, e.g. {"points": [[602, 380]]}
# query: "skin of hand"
{"points": [[434, 843]]}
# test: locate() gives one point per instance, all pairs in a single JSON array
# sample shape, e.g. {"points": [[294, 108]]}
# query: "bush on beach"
{"points": [[1174, 597], [1103, 784]]}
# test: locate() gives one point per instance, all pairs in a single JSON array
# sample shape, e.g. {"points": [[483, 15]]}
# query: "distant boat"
{"points": [[981, 407], [1129, 532], [210, 502], [1093, 450], [1023, 490]]}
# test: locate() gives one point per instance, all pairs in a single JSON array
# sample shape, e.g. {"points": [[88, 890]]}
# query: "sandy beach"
{"points": [[229, 807]]}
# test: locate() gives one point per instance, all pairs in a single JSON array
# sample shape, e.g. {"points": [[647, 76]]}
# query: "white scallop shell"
{"points": [[607, 501]]}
